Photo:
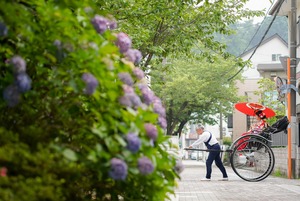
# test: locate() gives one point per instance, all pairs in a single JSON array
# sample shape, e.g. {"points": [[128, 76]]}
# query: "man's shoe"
{"points": [[205, 179], [224, 179]]}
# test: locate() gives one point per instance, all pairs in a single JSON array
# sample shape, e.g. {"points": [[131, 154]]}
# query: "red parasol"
{"points": [[250, 108]]}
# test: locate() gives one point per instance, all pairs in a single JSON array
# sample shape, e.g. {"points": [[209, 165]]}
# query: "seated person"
{"points": [[261, 123], [255, 128]]}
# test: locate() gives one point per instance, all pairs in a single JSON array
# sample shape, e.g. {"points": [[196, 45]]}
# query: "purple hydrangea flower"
{"points": [[179, 167], [112, 24], [127, 88], [159, 109], [57, 43], [125, 100], [118, 169], [19, 65], [126, 78], [133, 142], [142, 86], [3, 29], [138, 73], [162, 122], [135, 99], [147, 95], [91, 83], [88, 9], [123, 42], [100, 23], [151, 131], [133, 55], [11, 95], [130, 100], [23, 82], [145, 165]]}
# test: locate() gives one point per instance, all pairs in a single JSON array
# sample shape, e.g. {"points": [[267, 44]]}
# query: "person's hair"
{"points": [[260, 114], [199, 126]]}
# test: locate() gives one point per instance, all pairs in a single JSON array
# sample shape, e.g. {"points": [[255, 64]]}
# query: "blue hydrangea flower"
{"points": [[145, 165], [11, 95], [126, 78], [23, 82], [138, 73], [100, 23], [18, 64], [118, 169], [123, 42], [151, 131], [91, 83], [133, 142]]}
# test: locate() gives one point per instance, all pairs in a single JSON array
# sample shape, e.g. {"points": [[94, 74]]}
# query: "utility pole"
{"points": [[293, 66], [221, 127]]}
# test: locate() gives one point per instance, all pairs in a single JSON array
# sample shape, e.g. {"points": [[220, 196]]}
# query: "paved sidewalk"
{"points": [[190, 188]]}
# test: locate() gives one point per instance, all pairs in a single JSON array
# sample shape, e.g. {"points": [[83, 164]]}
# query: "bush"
{"points": [[227, 141], [78, 121]]}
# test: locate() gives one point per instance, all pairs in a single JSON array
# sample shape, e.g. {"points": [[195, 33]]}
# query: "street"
{"points": [[190, 188]]}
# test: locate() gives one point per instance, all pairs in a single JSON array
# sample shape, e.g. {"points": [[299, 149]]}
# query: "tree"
{"points": [[238, 42], [194, 89], [268, 96], [163, 27]]}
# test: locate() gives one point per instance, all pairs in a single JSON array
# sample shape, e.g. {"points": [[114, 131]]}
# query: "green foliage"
{"points": [[268, 96], [57, 142], [227, 141], [163, 27], [278, 173], [194, 89], [171, 29]]}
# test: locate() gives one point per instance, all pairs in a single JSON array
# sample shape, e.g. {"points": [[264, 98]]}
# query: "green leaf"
{"points": [[70, 154]]}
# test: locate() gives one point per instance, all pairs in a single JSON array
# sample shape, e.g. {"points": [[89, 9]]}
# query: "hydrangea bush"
{"points": [[78, 121]]}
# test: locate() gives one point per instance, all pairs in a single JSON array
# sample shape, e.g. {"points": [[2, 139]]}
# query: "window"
{"points": [[270, 96], [275, 57]]}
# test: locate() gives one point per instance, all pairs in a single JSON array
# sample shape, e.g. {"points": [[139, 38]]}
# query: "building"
{"points": [[265, 64], [287, 157]]}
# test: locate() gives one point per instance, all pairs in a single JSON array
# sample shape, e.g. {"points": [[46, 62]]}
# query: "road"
{"points": [[190, 188]]}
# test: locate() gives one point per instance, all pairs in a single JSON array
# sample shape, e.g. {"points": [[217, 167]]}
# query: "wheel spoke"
{"points": [[252, 160]]}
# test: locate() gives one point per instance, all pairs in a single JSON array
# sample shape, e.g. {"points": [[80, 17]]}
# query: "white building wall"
{"points": [[263, 55]]}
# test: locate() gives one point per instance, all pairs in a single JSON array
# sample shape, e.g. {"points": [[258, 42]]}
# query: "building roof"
{"points": [[270, 67], [266, 41], [283, 9]]}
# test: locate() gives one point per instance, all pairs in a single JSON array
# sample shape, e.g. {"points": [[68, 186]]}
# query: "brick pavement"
{"points": [[190, 188]]}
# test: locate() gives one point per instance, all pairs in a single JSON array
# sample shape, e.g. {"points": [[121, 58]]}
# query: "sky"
{"points": [[259, 5]]}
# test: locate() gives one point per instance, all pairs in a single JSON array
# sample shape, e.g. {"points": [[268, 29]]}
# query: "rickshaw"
{"points": [[251, 156]]}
